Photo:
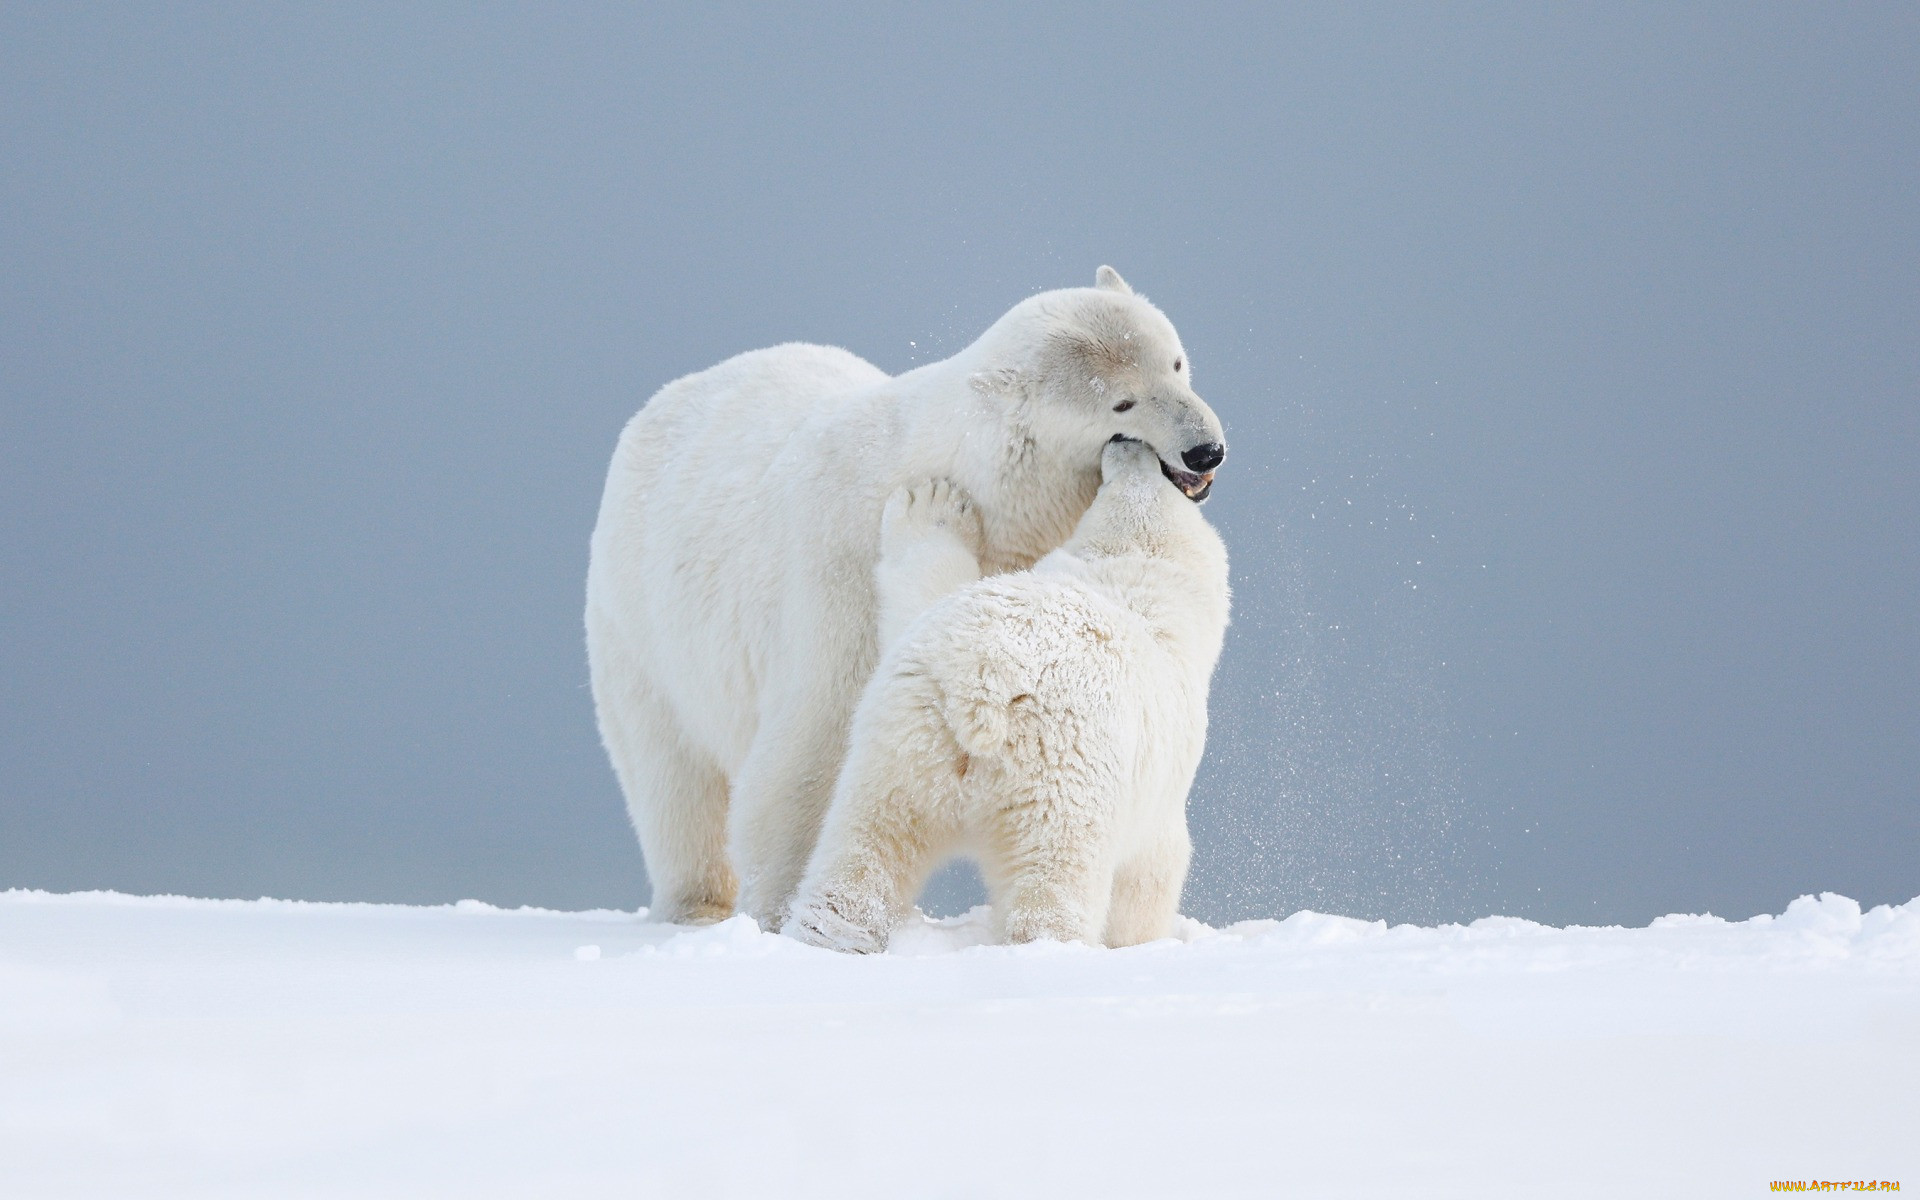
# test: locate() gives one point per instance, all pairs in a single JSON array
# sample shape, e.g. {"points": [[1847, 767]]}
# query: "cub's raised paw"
{"points": [[932, 509]]}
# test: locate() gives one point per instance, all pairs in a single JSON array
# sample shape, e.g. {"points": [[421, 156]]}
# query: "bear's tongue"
{"points": [[1195, 487]]}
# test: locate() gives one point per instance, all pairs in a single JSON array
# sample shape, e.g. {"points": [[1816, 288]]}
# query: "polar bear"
{"points": [[730, 616], [1047, 722]]}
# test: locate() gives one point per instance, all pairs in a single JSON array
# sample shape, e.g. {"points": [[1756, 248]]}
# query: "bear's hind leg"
{"points": [[1146, 890], [893, 817], [1048, 865], [676, 799], [780, 797]]}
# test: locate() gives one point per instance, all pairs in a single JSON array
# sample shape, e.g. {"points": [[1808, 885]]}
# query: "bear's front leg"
{"points": [[931, 539]]}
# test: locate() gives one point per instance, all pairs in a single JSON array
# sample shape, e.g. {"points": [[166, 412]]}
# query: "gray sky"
{"points": [[1568, 358]]}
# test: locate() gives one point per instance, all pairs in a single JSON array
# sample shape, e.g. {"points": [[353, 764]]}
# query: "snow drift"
{"points": [[174, 1047]]}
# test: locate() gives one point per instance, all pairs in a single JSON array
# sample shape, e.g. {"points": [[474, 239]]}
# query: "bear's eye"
{"points": [[1178, 362], [1123, 406]]}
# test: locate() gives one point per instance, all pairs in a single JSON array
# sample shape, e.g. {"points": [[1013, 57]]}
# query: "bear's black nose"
{"points": [[1204, 458]]}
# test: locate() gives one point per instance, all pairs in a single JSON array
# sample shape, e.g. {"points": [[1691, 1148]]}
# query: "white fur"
{"points": [[1048, 722], [731, 619]]}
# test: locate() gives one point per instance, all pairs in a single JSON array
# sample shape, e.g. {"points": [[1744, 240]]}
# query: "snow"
{"points": [[172, 1047]]}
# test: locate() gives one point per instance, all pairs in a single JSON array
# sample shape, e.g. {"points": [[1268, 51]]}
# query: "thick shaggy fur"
{"points": [[1049, 722], [731, 618]]}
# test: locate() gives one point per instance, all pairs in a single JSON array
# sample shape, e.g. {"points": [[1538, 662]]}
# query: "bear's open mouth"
{"points": [[1195, 487]]}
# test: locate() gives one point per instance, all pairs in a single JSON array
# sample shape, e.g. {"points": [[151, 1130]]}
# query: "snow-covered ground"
{"points": [[170, 1047]]}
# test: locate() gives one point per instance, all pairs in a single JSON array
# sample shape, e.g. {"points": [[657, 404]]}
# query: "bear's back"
{"points": [[758, 395]]}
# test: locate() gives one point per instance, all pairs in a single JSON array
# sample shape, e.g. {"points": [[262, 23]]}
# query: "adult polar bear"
{"points": [[731, 615]]}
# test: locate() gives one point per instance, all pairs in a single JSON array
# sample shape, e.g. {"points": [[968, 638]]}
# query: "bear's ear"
{"points": [[1109, 279]]}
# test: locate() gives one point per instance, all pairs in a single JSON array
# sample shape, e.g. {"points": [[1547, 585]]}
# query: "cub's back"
{"points": [[1024, 660]]}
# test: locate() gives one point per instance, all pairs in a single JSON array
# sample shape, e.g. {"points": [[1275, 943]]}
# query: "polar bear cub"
{"points": [[1047, 722]]}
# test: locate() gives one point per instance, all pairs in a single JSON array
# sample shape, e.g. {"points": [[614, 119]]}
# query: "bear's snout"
{"points": [[1204, 458]]}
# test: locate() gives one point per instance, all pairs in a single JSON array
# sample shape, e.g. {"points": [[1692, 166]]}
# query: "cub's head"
{"points": [[1138, 510], [1102, 362]]}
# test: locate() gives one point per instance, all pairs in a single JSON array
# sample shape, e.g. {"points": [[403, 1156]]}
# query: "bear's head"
{"points": [[1093, 363]]}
